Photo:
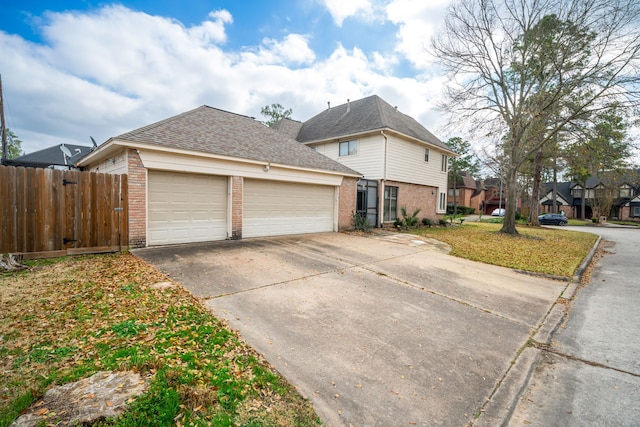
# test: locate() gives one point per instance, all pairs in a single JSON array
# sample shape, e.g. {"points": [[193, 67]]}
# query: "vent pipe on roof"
{"points": [[348, 105], [328, 105]]}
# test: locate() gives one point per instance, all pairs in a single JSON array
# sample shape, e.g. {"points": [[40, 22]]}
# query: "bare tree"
{"points": [[521, 70]]}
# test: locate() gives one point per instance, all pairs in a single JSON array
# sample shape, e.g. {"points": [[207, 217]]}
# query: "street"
{"points": [[590, 373]]}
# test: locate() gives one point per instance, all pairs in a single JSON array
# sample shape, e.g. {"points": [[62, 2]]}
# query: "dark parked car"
{"points": [[553, 219]]}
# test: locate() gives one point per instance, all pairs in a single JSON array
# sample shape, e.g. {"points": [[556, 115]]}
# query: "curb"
{"points": [[500, 406], [585, 263]]}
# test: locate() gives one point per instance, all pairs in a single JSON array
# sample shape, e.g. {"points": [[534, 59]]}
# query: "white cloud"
{"points": [[417, 21], [343, 9], [115, 70], [293, 50]]}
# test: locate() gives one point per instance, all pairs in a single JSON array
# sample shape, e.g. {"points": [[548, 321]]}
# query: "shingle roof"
{"points": [[210, 130], [288, 126], [363, 115], [54, 155]]}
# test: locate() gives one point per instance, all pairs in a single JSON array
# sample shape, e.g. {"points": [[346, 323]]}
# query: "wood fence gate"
{"points": [[49, 212]]}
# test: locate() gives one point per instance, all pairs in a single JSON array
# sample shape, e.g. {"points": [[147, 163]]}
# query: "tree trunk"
{"points": [[511, 205], [455, 182], [537, 178], [583, 201], [555, 189]]}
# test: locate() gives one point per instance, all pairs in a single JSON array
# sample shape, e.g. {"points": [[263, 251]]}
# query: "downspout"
{"points": [[382, 181]]}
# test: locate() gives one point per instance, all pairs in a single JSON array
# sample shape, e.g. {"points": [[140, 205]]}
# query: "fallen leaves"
{"points": [[541, 250], [64, 321]]}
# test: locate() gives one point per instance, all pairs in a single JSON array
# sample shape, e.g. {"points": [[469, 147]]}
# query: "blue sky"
{"points": [[71, 69]]}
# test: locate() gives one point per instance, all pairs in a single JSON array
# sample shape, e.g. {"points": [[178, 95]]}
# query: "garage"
{"points": [[273, 208], [186, 208]]}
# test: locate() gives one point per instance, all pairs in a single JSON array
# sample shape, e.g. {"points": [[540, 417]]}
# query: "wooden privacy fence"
{"points": [[49, 212]]}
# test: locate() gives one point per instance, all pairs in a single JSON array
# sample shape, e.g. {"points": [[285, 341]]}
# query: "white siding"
{"points": [[116, 164], [405, 163], [197, 164], [370, 158]]}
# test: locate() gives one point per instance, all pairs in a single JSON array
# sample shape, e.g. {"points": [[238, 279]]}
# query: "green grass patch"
{"points": [[556, 252], [66, 320]]}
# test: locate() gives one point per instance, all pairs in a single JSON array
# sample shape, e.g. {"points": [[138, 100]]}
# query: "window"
{"points": [[625, 191], [390, 203], [444, 164], [349, 148], [443, 202], [457, 192], [636, 211], [576, 192], [426, 154]]}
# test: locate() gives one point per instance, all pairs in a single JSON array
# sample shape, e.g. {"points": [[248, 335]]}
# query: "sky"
{"points": [[72, 69]]}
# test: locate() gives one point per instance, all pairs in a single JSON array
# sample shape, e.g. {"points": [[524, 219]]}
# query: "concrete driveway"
{"points": [[375, 331]]}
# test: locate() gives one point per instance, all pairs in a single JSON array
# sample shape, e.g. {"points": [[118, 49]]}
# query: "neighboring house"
{"points": [[208, 174], [469, 192], [623, 198], [53, 157], [403, 164]]}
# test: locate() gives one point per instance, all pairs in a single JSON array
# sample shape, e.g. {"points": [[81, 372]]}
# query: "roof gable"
{"points": [[364, 115], [210, 130]]}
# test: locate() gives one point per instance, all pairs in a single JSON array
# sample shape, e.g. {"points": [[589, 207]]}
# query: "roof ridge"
{"points": [[178, 117]]}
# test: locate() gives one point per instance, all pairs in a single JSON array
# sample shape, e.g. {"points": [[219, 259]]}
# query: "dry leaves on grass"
{"points": [[68, 320], [540, 250]]}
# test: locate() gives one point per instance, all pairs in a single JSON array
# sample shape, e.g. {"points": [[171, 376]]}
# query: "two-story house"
{"points": [[469, 192], [619, 196], [403, 164]]}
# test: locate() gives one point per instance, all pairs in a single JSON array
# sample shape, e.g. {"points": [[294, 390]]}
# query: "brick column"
{"points": [[137, 180], [347, 203], [237, 185]]}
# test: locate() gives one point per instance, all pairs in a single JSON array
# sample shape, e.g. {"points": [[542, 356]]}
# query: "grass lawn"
{"points": [[67, 319], [542, 250]]}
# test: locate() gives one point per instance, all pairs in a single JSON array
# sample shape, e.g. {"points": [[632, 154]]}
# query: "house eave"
{"points": [[376, 132], [112, 146]]}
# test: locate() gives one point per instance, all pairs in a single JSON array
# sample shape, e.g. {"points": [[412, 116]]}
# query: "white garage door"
{"points": [[274, 208], [185, 208]]}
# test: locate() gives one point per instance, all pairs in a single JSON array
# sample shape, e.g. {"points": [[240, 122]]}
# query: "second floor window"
{"points": [[626, 191], [445, 162], [349, 148], [426, 154]]}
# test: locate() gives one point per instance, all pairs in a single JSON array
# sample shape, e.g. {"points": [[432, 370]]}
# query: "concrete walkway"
{"points": [[376, 331]]}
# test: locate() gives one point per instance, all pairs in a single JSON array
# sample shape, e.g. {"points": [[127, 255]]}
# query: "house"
{"points": [[402, 163], [620, 196], [61, 156], [209, 174], [469, 192]]}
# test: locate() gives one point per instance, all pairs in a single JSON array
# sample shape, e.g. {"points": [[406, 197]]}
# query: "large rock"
{"points": [[84, 402]]}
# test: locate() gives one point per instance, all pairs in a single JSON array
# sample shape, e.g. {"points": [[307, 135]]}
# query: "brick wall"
{"points": [[347, 203], [237, 185], [137, 200], [414, 196]]}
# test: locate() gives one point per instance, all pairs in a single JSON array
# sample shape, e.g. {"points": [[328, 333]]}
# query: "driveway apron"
{"points": [[375, 331]]}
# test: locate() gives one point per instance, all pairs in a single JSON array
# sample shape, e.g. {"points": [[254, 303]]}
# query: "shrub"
{"points": [[398, 223], [360, 222], [410, 220], [442, 222], [427, 222]]}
